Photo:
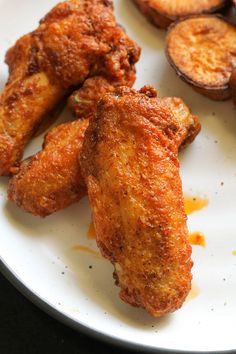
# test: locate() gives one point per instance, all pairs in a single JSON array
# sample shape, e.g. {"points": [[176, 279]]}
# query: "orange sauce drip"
{"points": [[194, 292], [86, 249], [91, 234], [197, 238], [192, 204], [234, 253]]}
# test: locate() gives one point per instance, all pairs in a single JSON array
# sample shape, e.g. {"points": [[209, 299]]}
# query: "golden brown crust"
{"points": [[26, 99], [83, 102], [28, 195], [202, 49], [189, 125], [51, 180], [76, 40], [163, 12], [130, 165]]}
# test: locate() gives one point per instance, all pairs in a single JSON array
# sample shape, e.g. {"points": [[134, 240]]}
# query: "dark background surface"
{"points": [[25, 329]]}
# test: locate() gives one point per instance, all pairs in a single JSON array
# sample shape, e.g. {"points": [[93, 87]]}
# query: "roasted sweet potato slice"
{"points": [[202, 50], [163, 12]]}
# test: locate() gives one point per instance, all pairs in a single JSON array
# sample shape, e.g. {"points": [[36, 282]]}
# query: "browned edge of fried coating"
{"points": [[151, 256], [83, 102], [51, 180], [75, 40], [44, 191]]}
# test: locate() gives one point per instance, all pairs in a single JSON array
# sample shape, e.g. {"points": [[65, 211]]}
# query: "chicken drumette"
{"points": [[51, 180], [75, 41], [130, 164]]}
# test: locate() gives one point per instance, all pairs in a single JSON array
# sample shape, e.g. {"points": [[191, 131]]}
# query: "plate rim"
{"points": [[43, 305], [55, 313]]}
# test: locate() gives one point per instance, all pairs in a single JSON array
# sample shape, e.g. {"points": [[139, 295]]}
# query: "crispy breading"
{"points": [[189, 125], [27, 194], [51, 180], [75, 41], [26, 99], [131, 169], [83, 102]]}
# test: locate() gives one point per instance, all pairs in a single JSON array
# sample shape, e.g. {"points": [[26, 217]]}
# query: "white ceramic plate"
{"points": [[38, 255]]}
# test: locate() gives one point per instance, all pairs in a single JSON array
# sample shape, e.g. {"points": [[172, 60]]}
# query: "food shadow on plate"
{"points": [[3, 74], [100, 289], [3, 184], [60, 116], [52, 226], [142, 31], [179, 88], [217, 117], [61, 233]]}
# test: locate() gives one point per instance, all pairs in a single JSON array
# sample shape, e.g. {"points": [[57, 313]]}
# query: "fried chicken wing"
{"points": [[83, 102], [27, 191], [75, 41], [26, 98], [189, 125], [131, 169], [51, 180]]}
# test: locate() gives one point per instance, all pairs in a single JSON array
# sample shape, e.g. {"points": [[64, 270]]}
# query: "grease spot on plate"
{"points": [[197, 239], [91, 234], [194, 292], [80, 248], [192, 204]]}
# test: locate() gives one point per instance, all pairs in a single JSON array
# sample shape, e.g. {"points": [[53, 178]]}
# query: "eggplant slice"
{"points": [[163, 12], [202, 51]]}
